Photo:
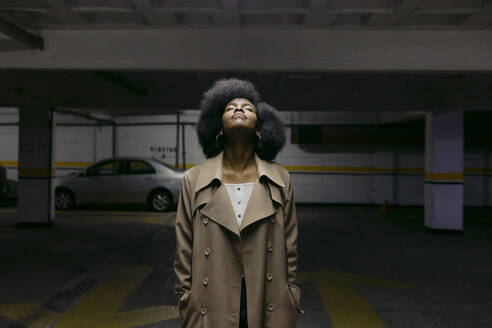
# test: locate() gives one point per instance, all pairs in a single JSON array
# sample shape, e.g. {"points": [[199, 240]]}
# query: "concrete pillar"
{"points": [[36, 165], [444, 134]]}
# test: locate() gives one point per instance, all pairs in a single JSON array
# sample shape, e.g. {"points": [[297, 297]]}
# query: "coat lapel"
{"points": [[219, 209], [259, 206], [218, 206]]}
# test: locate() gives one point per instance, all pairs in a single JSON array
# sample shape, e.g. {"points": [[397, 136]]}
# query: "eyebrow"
{"points": [[233, 103]]}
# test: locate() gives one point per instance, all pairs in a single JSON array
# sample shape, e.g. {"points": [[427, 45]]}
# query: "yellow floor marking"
{"points": [[30, 315], [343, 303], [98, 308], [165, 221]]}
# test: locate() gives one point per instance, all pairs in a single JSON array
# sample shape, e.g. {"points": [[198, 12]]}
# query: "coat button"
{"points": [[272, 219], [270, 246], [205, 281], [269, 276], [270, 307], [204, 220], [203, 311], [207, 251]]}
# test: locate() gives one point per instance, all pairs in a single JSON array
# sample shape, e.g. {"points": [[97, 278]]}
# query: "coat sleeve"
{"points": [[290, 225], [184, 240]]}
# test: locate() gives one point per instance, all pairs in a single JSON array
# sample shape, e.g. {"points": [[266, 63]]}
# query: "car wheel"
{"points": [[64, 200], [160, 200]]}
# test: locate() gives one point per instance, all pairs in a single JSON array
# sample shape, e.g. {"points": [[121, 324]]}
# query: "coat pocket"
{"points": [[183, 303], [295, 297]]}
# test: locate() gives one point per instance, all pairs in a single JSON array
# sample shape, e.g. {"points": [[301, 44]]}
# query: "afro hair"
{"points": [[212, 105], [272, 131]]}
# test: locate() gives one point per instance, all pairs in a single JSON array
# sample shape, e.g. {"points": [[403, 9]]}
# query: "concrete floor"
{"points": [[358, 267]]}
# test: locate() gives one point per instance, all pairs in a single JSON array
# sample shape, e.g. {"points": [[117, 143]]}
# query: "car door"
{"points": [[99, 183], [135, 181]]}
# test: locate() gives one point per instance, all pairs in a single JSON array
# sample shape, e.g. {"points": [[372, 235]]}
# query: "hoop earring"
{"points": [[218, 140], [259, 139]]}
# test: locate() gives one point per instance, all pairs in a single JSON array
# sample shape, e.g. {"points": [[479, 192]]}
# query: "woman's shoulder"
{"points": [[200, 173], [281, 172], [279, 167], [192, 173]]}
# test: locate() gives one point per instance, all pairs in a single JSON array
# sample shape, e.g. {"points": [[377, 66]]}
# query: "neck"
{"points": [[238, 157]]}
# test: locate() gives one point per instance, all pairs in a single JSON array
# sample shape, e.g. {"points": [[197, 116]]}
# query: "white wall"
{"points": [[80, 142], [80, 146]]}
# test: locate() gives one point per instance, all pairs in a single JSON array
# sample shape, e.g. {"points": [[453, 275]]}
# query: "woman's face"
{"points": [[239, 113]]}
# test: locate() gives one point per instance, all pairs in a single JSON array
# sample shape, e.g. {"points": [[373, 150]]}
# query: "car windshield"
{"points": [[167, 165]]}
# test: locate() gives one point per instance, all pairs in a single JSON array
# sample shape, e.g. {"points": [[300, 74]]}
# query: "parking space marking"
{"points": [[153, 218], [165, 221], [98, 308], [345, 306], [30, 315]]}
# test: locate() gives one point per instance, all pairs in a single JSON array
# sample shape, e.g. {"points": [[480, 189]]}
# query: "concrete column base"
{"points": [[444, 171]]}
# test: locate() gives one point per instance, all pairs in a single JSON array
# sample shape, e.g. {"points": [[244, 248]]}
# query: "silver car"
{"points": [[121, 180]]}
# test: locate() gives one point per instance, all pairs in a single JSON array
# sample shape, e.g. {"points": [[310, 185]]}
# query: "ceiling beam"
{"points": [[477, 18], [229, 15], [316, 17], [150, 15], [284, 50], [404, 9], [117, 79], [21, 35], [64, 13]]}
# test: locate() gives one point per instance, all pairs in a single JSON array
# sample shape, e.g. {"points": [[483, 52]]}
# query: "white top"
{"points": [[239, 194]]}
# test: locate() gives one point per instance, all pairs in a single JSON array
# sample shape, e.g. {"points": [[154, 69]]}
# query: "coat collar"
{"points": [[218, 206], [212, 169]]}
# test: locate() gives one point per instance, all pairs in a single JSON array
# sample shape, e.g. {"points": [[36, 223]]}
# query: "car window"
{"points": [[105, 168], [139, 167]]}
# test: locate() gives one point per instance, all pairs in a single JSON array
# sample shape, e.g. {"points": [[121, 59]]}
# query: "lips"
{"points": [[238, 115]]}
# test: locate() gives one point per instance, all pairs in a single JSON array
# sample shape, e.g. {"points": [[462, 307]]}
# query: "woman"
{"points": [[236, 224]]}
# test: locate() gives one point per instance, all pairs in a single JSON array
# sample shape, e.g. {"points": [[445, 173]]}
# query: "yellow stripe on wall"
{"points": [[188, 166], [39, 172], [326, 169], [447, 176], [354, 169], [8, 163], [73, 164], [479, 171], [58, 164]]}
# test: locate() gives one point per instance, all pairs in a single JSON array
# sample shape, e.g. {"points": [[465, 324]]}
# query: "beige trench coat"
{"points": [[212, 251]]}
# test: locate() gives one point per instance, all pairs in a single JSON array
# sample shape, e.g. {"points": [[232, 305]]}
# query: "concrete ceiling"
{"points": [[145, 92], [436, 74], [39, 15], [300, 14]]}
